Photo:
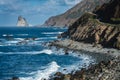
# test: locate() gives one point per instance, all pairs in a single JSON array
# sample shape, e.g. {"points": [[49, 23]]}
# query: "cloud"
{"points": [[35, 9], [32, 6]]}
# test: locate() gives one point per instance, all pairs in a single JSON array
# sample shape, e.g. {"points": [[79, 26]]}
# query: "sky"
{"points": [[35, 11]]}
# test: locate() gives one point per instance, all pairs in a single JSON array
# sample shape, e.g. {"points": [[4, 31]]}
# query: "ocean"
{"points": [[23, 54]]}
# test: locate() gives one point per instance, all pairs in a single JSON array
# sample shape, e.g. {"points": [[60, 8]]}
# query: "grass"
{"points": [[114, 22]]}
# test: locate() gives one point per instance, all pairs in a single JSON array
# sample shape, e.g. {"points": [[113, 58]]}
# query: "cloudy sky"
{"points": [[35, 11]]}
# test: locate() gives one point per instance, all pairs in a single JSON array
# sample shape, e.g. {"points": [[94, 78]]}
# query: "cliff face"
{"points": [[109, 11], [90, 29], [22, 21], [69, 17]]}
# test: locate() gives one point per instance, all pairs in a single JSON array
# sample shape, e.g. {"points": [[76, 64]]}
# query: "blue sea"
{"points": [[23, 54]]}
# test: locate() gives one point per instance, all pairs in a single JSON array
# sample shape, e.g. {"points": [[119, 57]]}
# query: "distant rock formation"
{"points": [[70, 16], [89, 28], [22, 21]]}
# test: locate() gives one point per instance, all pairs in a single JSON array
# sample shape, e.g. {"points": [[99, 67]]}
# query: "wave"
{"points": [[37, 39], [19, 39], [12, 42], [70, 68], [45, 51], [22, 34], [52, 32], [46, 38], [43, 74], [5, 35]]}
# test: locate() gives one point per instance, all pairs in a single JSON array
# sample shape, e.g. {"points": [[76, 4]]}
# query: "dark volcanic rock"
{"points": [[90, 30], [15, 78], [105, 70], [109, 11]]}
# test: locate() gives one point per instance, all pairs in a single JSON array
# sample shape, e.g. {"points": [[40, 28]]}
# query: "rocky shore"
{"points": [[97, 33], [104, 70], [109, 70], [80, 46]]}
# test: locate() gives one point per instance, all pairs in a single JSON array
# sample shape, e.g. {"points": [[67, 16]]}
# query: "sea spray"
{"points": [[44, 74], [24, 54], [47, 51]]}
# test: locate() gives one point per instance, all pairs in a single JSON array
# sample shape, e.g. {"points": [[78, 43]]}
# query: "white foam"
{"points": [[48, 38], [52, 32], [12, 42], [70, 68], [7, 35], [1, 45], [52, 37], [22, 34], [46, 51], [20, 39], [44, 74], [85, 60], [4, 35]]}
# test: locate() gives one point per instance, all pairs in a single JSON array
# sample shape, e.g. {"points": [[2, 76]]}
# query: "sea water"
{"points": [[23, 54]]}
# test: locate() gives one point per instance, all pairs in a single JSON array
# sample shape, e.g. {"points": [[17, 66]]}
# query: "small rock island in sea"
{"points": [[22, 21]]}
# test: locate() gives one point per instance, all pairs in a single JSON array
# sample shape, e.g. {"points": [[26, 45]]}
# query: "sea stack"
{"points": [[22, 21]]}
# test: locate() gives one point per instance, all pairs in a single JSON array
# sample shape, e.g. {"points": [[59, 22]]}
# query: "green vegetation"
{"points": [[92, 17], [115, 20]]}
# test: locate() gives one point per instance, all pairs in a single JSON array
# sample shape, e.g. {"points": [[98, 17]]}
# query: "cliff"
{"points": [[70, 16], [22, 21], [109, 12], [90, 29]]}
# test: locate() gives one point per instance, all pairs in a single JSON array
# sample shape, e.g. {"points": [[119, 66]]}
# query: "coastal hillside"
{"points": [[93, 28], [109, 12], [70, 16]]}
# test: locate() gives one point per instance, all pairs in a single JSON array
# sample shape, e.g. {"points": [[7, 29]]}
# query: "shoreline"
{"points": [[80, 46], [103, 70]]}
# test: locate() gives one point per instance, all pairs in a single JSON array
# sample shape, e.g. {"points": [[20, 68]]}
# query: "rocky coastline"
{"points": [[103, 70], [97, 33], [109, 70], [80, 46]]}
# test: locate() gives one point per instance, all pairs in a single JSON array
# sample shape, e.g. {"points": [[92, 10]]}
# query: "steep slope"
{"points": [[90, 29], [109, 12], [67, 18], [22, 21]]}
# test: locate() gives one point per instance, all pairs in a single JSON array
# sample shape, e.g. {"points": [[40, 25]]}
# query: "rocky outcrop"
{"points": [[104, 70], [22, 21], [70, 16], [109, 12], [90, 29]]}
